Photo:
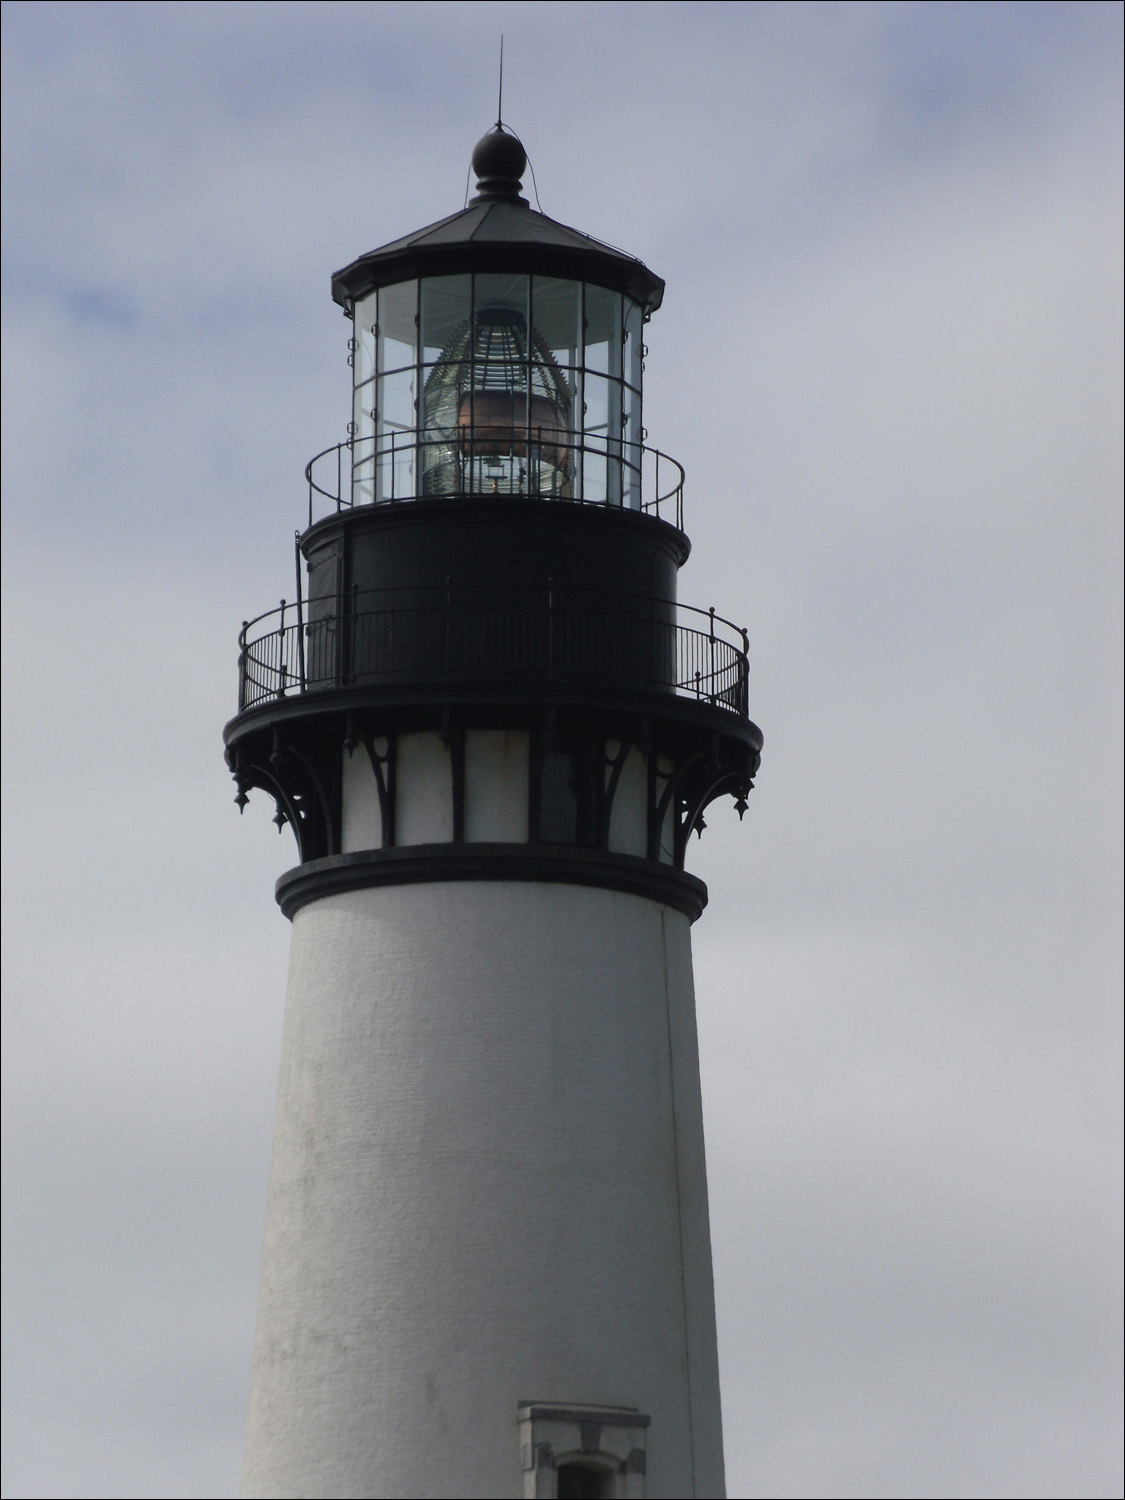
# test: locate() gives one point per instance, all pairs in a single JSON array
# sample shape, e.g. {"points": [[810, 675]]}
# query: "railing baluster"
{"points": [[300, 616], [280, 648]]}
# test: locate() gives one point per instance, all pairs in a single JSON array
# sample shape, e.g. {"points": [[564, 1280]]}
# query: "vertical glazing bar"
{"points": [[419, 354], [526, 484], [468, 450], [281, 651], [300, 613], [711, 695], [579, 419]]}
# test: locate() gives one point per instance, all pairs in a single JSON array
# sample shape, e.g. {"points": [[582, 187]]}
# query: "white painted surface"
{"points": [[496, 785], [361, 817], [628, 822], [424, 790], [496, 793], [667, 848], [487, 1186]]}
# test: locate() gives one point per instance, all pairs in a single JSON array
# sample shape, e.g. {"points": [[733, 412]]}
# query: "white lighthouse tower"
{"points": [[492, 728]]}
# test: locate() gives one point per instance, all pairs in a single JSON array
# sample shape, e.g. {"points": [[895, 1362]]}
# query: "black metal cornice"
{"points": [[294, 751], [417, 703], [551, 863], [498, 235]]}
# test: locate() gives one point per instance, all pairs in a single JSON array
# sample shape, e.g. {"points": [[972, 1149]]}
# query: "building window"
{"points": [[580, 1482], [582, 1451]]}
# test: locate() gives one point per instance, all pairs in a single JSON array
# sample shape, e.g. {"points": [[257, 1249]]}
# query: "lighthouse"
{"points": [[493, 729]]}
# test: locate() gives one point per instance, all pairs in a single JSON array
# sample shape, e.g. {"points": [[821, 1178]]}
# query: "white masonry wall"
{"points": [[487, 1188], [497, 769]]}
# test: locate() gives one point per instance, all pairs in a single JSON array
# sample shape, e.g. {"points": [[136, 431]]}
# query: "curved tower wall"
{"points": [[488, 1187]]}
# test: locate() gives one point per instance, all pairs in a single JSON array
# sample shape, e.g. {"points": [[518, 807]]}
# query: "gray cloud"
{"points": [[889, 359]]}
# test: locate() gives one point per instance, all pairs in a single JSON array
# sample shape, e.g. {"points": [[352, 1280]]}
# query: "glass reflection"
{"points": [[497, 384], [497, 410]]}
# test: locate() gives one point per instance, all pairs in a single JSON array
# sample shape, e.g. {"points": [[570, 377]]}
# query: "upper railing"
{"points": [[537, 462], [531, 637]]}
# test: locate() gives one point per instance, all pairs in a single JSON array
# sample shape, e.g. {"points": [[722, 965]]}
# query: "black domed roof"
{"points": [[498, 231]]}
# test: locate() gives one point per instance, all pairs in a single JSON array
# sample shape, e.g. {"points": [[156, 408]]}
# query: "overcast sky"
{"points": [[889, 358]]}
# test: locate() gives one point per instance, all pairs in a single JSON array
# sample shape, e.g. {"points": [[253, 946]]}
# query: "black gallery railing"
{"points": [[529, 636], [543, 463]]}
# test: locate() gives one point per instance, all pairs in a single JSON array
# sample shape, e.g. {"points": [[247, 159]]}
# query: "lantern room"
{"points": [[497, 383], [490, 360]]}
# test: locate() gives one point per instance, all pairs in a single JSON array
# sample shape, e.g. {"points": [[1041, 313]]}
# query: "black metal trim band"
{"points": [[554, 863], [694, 714]]}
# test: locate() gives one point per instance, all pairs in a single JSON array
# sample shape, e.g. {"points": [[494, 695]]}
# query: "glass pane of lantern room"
{"points": [[445, 305], [602, 394], [396, 406], [603, 331], [364, 319], [500, 343], [365, 316], [556, 310], [596, 414], [501, 289], [398, 325], [634, 346], [556, 345], [594, 489], [631, 450], [493, 414], [396, 399], [632, 355]]}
